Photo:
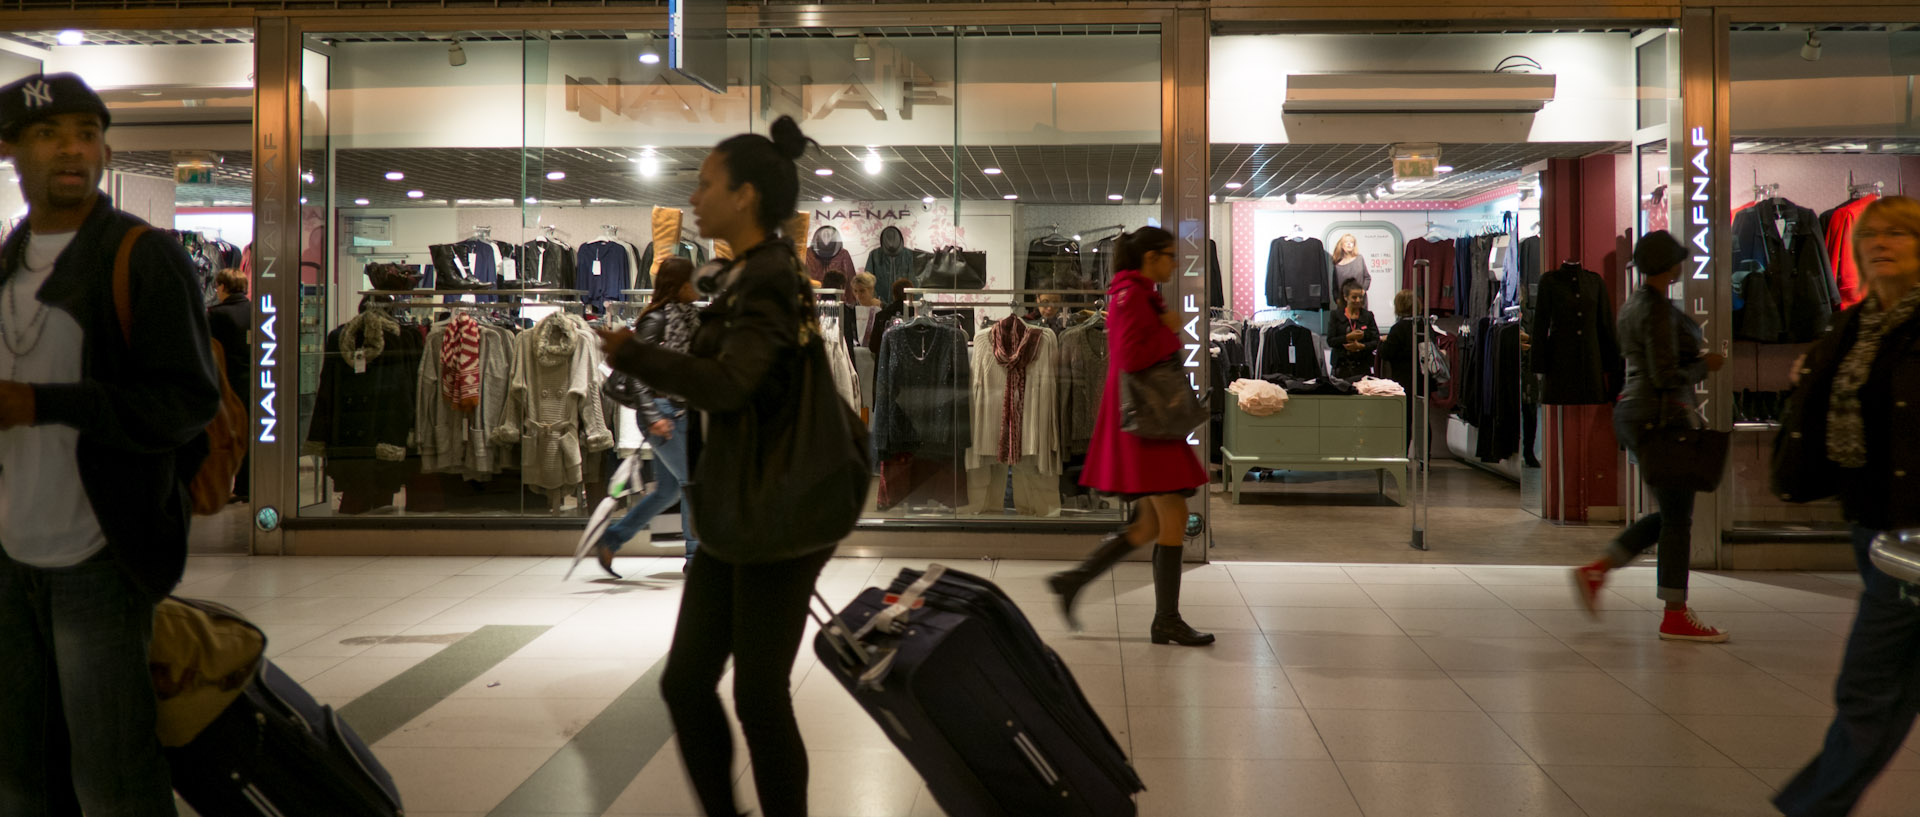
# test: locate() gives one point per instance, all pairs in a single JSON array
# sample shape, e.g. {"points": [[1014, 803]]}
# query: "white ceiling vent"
{"points": [[1393, 92]]}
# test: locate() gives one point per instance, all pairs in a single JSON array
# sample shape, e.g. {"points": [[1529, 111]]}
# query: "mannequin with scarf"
{"points": [[1014, 391], [824, 254]]}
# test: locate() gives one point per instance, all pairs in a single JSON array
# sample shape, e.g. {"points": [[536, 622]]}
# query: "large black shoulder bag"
{"points": [[786, 476], [1690, 459], [1158, 403], [1801, 471]]}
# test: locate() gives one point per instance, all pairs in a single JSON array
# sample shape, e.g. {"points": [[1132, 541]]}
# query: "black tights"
{"points": [[756, 614]]}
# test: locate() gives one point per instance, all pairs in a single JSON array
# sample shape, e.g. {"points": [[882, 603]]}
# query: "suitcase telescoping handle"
{"points": [[851, 644]]}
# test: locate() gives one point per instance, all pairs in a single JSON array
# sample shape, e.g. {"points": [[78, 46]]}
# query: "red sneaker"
{"points": [[1587, 581], [1680, 625]]}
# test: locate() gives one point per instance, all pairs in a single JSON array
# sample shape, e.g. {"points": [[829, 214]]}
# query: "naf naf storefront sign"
{"points": [[269, 422], [855, 214]]}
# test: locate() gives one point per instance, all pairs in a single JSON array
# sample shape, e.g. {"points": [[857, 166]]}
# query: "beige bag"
{"points": [[666, 238], [202, 657]]}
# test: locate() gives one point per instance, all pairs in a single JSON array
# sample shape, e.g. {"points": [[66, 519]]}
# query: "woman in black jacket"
{"points": [[1868, 370], [1396, 352], [1353, 334], [747, 601], [230, 320], [668, 322]]}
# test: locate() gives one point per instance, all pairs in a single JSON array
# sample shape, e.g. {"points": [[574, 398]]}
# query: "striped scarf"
{"points": [[1014, 346], [460, 363], [1846, 430]]}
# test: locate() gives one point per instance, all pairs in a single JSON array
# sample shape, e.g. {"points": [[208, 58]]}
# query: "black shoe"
{"points": [[1170, 628], [604, 555], [1067, 584]]}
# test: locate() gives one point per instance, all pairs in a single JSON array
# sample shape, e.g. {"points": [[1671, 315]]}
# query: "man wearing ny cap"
{"points": [[96, 430]]}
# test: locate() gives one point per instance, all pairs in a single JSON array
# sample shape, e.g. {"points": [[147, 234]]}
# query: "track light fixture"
{"points": [[1811, 51], [648, 56], [456, 56], [862, 50], [1293, 198]]}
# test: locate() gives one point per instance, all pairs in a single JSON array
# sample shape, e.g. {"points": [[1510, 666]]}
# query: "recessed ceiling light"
{"points": [[1010, 196], [1444, 169], [1156, 171], [1114, 197], [415, 194], [532, 200], [70, 37], [823, 171], [927, 200], [826, 199], [872, 164], [148, 93], [1232, 185], [556, 175], [303, 199], [649, 165], [991, 171], [362, 202], [395, 175], [307, 176]]}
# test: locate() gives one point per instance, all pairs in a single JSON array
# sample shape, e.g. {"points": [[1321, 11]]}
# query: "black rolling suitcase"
{"points": [[988, 714], [275, 752]]}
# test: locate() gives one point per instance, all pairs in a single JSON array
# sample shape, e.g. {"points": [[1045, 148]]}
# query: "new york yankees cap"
{"points": [[39, 96]]}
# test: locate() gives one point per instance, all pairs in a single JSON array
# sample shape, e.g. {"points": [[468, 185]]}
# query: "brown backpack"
{"points": [[212, 484]]}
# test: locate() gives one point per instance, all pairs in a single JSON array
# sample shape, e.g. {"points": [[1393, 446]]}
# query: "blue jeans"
{"points": [[78, 716], [670, 457], [1877, 697]]}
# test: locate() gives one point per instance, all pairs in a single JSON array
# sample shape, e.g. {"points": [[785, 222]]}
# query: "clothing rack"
{"points": [[1762, 192]]}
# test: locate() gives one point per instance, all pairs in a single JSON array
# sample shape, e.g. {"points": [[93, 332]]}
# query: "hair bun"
{"points": [[788, 141]]}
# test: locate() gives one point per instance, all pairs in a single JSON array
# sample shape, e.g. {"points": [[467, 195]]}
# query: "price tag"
{"points": [[596, 267], [359, 362], [508, 271]]}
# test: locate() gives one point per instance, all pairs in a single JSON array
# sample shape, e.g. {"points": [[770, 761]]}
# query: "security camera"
{"points": [[456, 56]]}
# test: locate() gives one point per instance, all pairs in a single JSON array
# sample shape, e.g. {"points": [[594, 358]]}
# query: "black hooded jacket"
{"points": [[143, 403], [890, 262]]}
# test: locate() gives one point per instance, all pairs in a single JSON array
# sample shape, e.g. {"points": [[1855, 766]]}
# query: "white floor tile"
{"points": [[1664, 792], [1455, 790], [1221, 787], [1414, 737]]}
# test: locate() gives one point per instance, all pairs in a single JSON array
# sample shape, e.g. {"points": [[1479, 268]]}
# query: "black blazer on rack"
{"points": [[1299, 274], [1576, 347], [1784, 282]]}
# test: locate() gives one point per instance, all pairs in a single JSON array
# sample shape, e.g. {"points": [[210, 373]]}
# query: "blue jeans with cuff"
{"points": [[78, 716], [670, 461]]}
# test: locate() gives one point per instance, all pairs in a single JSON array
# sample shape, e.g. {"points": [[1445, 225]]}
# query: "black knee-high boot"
{"points": [[1168, 627], [1067, 584]]}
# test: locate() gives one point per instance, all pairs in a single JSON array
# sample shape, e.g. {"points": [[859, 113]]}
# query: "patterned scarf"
{"points": [[1014, 346], [1846, 432], [460, 362]]}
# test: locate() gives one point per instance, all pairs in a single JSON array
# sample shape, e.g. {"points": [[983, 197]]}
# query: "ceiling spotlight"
{"points": [[456, 56], [826, 199], [872, 163], [648, 56], [1010, 196], [532, 200], [1380, 192], [395, 175], [649, 164], [991, 171], [823, 171], [1443, 169], [862, 50], [1115, 197], [362, 202], [70, 37], [415, 194], [1811, 51], [303, 199], [1156, 171], [1362, 196], [556, 175], [1293, 198], [1232, 185], [306, 176], [927, 200]]}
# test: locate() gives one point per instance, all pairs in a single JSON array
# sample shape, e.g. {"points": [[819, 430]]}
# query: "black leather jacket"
{"points": [[1663, 350], [1880, 495], [652, 329]]}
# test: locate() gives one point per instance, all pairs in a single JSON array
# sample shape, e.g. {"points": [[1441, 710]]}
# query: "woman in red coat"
{"points": [[1157, 476]]}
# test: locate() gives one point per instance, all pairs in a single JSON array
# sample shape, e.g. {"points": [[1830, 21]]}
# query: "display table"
{"points": [[1318, 433]]}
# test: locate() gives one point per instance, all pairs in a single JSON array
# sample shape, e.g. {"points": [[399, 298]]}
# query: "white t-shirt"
{"points": [[46, 519]]}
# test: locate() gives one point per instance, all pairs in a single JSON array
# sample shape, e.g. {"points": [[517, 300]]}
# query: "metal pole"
{"points": [[1422, 334]]}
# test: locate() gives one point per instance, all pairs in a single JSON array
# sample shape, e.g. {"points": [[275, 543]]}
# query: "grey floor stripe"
{"points": [[391, 705], [591, 771]]}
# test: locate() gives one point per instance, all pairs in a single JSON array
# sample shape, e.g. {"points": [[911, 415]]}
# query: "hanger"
{"points": [[1299, 233]]}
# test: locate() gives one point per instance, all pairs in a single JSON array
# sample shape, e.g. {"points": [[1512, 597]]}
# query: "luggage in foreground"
{"points": [[986, 712], [275, 752]]}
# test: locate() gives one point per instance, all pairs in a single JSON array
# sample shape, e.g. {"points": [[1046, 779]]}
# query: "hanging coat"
{"points": [[1119, 462]]}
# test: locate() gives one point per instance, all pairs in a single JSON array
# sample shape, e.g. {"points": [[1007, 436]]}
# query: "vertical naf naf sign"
{"points": [[1700, 203], [270, 391]]}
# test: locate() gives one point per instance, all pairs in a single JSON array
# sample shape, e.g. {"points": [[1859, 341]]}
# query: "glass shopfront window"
{"points": [[1822, 124], [530, 181]]}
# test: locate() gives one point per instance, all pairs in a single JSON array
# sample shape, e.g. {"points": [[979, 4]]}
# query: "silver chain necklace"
{"points": [[21, 339]]}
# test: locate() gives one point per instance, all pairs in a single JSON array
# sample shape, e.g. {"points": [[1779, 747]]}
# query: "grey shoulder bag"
{"points": [[1158, 404]]}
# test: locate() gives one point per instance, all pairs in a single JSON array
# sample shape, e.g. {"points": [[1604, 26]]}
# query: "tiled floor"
{"points": [[1383, 691]]}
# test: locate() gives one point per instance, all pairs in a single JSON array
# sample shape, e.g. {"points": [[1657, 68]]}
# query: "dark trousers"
{"points": [[78, 718], [1671, 529], [1877, 696], [756, 614]]}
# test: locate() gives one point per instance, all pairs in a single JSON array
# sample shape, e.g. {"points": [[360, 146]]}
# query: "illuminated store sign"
{"points": [[1700, 181], [270, 342]]}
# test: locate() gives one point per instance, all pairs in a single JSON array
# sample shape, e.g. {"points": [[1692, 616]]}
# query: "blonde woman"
{"points": [[1348, 265]]}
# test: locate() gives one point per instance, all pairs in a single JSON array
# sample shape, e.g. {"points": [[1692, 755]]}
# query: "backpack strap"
{"points": [[123, 282]]}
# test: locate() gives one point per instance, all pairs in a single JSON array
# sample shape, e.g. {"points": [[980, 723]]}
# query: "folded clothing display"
{"points": [[1258, 397], [1376, 387]]}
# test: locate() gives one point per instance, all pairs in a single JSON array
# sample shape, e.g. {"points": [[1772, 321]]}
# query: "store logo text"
{"points": [[269, 422], [1701, 201]]}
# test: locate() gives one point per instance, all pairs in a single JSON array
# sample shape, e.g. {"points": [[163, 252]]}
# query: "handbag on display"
{"points": [[1158, 403], [951, 267], [392, 277]]}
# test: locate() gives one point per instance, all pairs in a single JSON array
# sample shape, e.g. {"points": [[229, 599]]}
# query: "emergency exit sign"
{"points": [[1416, 168]]}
